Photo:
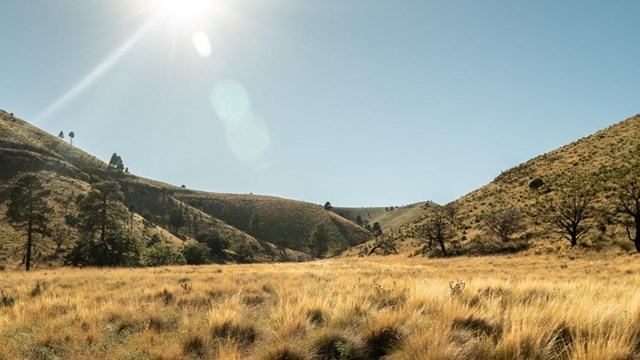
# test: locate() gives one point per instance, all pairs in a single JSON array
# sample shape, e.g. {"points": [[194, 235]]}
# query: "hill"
{"points": [[594, 162], [390, 218], [258, 228]]}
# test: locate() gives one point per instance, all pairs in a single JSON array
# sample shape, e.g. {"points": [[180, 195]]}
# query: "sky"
{"points": [[356, 102]]}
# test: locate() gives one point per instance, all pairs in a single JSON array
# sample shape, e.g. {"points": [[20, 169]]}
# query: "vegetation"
{"points": [[505, 222], [116, 162], [440, 226], [28, 211], [628, 194], [104, 242], [318, 240], [573, 214], [383, 307], [196, 253]]}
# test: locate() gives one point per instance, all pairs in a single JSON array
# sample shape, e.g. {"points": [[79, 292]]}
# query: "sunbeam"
{"points": [[96, 73]]}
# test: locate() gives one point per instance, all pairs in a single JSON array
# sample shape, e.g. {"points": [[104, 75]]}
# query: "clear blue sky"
{"points": [[357, 102]]}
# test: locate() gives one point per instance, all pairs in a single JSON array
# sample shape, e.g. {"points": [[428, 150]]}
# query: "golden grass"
{"points": [[536, 307]]}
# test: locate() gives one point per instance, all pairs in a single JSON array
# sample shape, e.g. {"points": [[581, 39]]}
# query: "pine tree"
{"points": [[29, 211]]}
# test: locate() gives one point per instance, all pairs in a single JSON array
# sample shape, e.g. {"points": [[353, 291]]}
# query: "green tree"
{"points": [[161, 254], [72, 135], [216, 243], [176, 219], [28, 210], [116, 162], [359, 220], [327, 206], [376, 229], [256, 224], [61, 135], [101, 218], [196, 253], [319, 240]]}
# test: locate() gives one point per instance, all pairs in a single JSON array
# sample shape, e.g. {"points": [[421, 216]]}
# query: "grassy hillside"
{"points": [[283, 222], [498, 307], [281, 227], [390, 218], [594, 162]]}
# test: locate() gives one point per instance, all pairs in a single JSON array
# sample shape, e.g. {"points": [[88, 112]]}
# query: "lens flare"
{"points": [[249, 140], [230, 101], [202, 44], [247, 134]]}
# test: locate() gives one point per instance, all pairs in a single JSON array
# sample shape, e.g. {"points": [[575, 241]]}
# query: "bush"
{"points": [[196, 253], [216, 242], [536, 183], [119, 249], [162, 254]]}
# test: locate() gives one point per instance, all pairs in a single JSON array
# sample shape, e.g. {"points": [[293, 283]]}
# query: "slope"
{"points": [[390, 218], [26, 149], [592, 162]]}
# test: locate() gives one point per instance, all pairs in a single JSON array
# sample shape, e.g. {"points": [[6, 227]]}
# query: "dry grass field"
{"points": [[534, 307]]}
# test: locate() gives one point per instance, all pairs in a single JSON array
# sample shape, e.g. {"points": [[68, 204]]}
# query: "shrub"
{"points": [[163, 254], [536, 184], [216, 242], [196, 253], [334, 346], [7, 300]]}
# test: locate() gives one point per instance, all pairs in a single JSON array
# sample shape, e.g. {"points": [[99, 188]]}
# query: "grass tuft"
{"points": [[381, 341], [241, 334]]}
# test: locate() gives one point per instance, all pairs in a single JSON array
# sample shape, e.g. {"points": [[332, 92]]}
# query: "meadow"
{"points": [[522, 307]]}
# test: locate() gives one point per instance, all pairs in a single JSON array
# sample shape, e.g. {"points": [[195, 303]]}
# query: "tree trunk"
{"points": [[29, 243], [444, 251], [574, 240]]}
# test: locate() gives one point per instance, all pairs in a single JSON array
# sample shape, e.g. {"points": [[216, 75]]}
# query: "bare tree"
{"points": [[628, 194], [573, 214], [385, 244], [504, 223], [440, 226]]}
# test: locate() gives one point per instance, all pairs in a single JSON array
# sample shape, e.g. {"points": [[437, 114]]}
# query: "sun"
{"points": [[182, 11]]}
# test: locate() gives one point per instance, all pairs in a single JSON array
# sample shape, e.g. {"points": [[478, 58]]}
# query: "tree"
{"points": [[376, 229], [176, 219], [216, 243], [318, 240], [71, 136], [504, 223], [440, 226], [359, 220], [101, 218], [628, 195], [116, 162], [161, 254], [572, 215], [327, 206], [196, 253], [61, 135], [28, 210]]}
